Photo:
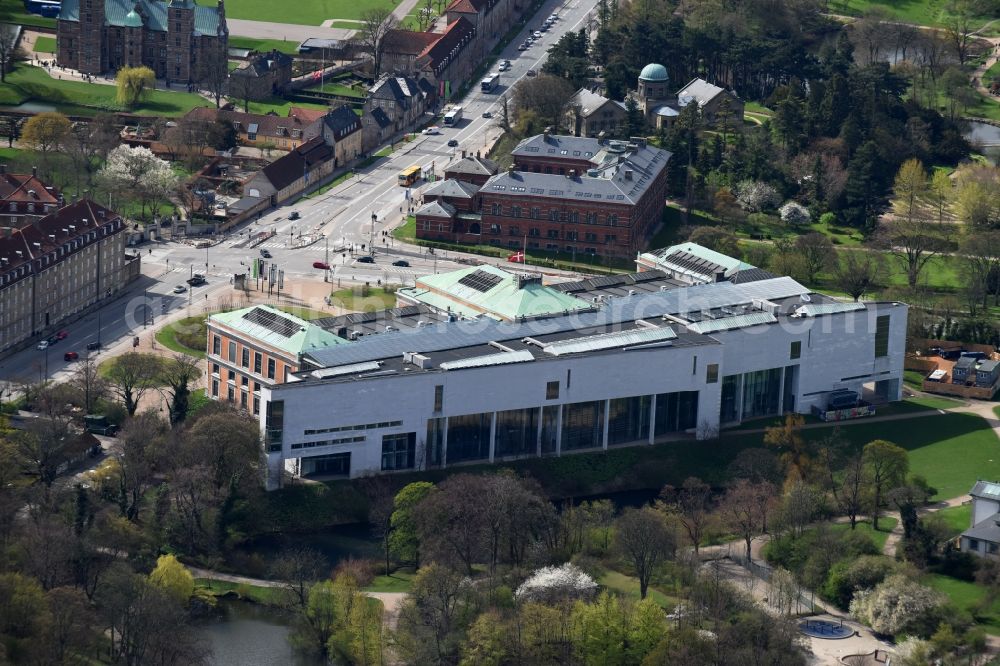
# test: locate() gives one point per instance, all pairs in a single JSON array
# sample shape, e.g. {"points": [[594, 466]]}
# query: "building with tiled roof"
{"points": [[491, 20], [177, 39], [59, 266], [400, 49], [471, 169], [292, 173], [395, 104], [660, 105], [567, 194], [589, 113], [445, 58], [254, 129], [306, 115], [24, 198], [341, 129], [261, 76]]}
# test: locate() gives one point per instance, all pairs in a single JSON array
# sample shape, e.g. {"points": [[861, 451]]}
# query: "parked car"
{"points": [[62, 335], [92, 346], [70, 356], [522, 46], [506, 63], [366, 260], [294, 215], [544, 27], [52, 340], [536, 34], [401, 262], [530, 72], [452, 143], [321, 265], [180, 289], [265, 254], [487, 114], [433, 129], [196, 279], [99, 425], [43, 345]]}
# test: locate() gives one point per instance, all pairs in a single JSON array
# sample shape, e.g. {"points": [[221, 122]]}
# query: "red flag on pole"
{"points": [[516, 258]]}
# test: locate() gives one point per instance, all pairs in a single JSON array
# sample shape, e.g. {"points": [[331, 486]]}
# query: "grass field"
{"points": [[262, 45], [27, 83], [957, 518], [919, 12], [885, 526], [183, 334], [306, 12], [629, 587], [12, 11], [45, 45], [376, 298], [398, 581], [278, 105], [261, 595], [969, 596]]}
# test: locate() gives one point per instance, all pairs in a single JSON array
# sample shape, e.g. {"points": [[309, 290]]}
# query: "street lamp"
{"points": [[371, 243]]}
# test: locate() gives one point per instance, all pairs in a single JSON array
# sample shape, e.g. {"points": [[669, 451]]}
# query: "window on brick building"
{"points": [[495, 209], [571, 235], [612, 220], [536, 212], [494, 228], [515, 211], [514, 231], [554, 215], [610, 238], [533, 231], [591, 237], [591, 218], [553, 233]]}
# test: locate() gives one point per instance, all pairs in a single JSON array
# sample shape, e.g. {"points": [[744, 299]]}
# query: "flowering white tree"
{"points": [[896, 605], [755, 196], [137, 174], [553, 583], [794, 214]]}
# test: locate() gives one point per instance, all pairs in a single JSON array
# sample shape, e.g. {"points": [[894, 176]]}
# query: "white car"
{"points": [[180, 289], [537, 35], [433, 129], [44, 344]]}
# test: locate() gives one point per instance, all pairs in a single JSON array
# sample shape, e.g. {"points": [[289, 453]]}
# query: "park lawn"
{"points": [[629, 586], [754, 107], [885, 526], [355, 300], [262, 45], [334, 88], [913, 378], [276, 104], [934, 402], [12, 11], [306, 12], [968, 595], [45, 44], [11, 153], [27, 83], [273, 596], [179, 335], [919, 12], [399, 581], [957, 518]]}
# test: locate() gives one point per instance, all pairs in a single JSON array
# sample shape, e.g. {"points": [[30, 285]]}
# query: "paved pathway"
{"points": [[284, 31], [391, 601]]}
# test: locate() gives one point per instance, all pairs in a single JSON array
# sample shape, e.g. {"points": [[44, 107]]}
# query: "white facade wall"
{"points": [[982, 509], [838, 351]]}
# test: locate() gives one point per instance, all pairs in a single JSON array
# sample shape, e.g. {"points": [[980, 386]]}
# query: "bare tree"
{"points": [[849, 489], [545, 95], [858, 272], [88, 380], [643, 537], [816, 252], [745, 509], [8, 46], [375, 24], [298, 568], [48, 441], [503, 120], [131, 375], [959, 25], [215, 73], [242, 88], [691, 503]]}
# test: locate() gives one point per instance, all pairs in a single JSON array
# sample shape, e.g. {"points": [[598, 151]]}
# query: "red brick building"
{"points": [[564, 194], [24, 198]]}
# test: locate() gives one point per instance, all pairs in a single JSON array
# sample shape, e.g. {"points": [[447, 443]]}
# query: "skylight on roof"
{"points": [[615, 340], [480, 280]]}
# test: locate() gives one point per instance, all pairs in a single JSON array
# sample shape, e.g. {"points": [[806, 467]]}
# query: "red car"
{"points": [[321, 265], [62, 335], [70, 356]]}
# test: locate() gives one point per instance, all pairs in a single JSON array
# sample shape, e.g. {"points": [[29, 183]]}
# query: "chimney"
{"points": [[572, 174], [34, 171], [639, 141], [463, 154], [510, 169], [628, 174], [600, 138]]}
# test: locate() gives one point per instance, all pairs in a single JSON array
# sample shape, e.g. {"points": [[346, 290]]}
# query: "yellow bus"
{"points": [[409, 176]]}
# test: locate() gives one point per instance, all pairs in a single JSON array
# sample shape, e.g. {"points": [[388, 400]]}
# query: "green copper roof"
{"points": [[133, 20], [487, 290], [653, 72], [277, 329], [152, 14]]}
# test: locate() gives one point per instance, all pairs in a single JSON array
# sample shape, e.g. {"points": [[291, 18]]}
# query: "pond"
{"points": [[246, 633], [32, 107], [335, 544], [985, 138]]}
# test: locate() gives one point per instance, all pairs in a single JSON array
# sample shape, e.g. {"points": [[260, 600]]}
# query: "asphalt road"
{"points": [[339, 220]]}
